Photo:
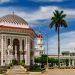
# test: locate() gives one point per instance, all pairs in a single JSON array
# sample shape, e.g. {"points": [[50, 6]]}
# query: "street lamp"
{"points": [[47, 52], [42, 65]]}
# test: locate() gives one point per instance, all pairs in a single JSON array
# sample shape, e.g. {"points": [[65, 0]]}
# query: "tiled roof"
{"points": [[13, 19]]}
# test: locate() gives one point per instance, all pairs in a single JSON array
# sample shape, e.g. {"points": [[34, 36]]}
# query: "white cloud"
{"points": [[4, 1], [47, 0], [67, 42], [46, 12], [67, 39], [43, 13]]}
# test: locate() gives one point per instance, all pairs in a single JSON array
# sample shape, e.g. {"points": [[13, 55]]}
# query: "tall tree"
{"points": [[58, 20]]}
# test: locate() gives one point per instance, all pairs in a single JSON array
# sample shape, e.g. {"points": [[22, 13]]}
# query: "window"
{"points": [[31, 44], [23, 44], [8, 41]]}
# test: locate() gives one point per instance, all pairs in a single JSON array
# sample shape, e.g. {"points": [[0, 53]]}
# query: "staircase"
{"points": [[17, 70]]}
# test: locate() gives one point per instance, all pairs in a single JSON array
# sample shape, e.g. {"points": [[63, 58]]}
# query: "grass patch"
{"points": [[36, 70], [1, 72]]}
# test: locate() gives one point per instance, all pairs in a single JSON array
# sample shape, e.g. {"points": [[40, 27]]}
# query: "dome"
{"points": [[14, 19]]}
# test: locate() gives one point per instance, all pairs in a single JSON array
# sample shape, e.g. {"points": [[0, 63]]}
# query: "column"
{"points": [[8, 56], [20, 49], [13, 56], [72, 62], [25, 49], [5, 51], [15, 52], [2, 50], [20, 44], [33, 51], [27, 61], [69, 61], [11, 43]]}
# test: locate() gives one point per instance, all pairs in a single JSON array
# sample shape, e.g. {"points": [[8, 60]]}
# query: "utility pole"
{"points": [[47, 52]]}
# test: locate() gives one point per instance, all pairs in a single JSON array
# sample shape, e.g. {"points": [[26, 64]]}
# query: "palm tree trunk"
{"points": [[58, 47]]}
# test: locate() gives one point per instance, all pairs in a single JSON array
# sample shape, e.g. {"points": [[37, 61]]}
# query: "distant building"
{"points": [[39, 46], [66, 55]]}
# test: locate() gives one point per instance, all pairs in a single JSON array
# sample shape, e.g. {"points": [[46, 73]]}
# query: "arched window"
{"points": [[8, 41], [31, 44], [23, 44]]}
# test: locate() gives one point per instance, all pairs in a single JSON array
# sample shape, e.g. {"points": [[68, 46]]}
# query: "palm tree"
{"points": [[58, 20]]}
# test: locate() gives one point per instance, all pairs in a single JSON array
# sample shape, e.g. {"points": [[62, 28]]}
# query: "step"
{"points": [[17, 74], [17, 70], [20, 73]]}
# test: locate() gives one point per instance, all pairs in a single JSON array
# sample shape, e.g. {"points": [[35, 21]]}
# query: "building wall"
{"points": [[5, 58]]}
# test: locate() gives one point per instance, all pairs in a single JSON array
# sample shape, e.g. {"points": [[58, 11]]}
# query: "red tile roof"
{"points": [[39, 35]]}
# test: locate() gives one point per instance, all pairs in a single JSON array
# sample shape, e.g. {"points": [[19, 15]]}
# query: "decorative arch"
{"points": [[16, 46]]}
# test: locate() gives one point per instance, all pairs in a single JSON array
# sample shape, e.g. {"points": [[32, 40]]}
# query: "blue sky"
{"points": [[38, 14]]}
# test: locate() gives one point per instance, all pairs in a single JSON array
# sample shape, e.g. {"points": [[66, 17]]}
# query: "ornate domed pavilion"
{"points": [[16, 40]]}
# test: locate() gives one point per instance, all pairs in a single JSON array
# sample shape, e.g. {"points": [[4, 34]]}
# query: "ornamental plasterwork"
{"points": [[18, 31]]}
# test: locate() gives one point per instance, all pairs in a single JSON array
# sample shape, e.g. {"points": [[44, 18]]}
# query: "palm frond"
{"points": [[56, 11], [56, 27], [54, 14], [64, 23], [51, 24], [63, 16], [52, 18], [61, 12], [58, 20]]}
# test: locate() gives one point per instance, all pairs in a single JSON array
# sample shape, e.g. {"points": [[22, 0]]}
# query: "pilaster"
{"points": [[21, 57], [2, 50], [5, 50], [72, 62], [27, 60]]}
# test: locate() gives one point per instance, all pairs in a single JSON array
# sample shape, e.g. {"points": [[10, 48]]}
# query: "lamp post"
{"points": [[47, 52], [42, 65]]}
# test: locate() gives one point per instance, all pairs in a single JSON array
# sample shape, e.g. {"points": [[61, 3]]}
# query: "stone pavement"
{"points": [[61, 72], [17, 70]]}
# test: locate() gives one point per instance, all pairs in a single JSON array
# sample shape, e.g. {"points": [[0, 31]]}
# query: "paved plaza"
{"points": [[61, 72], [57, 72], [18, 70]]}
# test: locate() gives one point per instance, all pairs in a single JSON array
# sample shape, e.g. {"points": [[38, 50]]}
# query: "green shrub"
{"points": [[1, 72], [10, 65], [35, 68], [42, 59], [22, 62], [14, 62]]}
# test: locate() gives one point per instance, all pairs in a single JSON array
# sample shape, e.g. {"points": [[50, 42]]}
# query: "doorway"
{"points": [[16, 51]]}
